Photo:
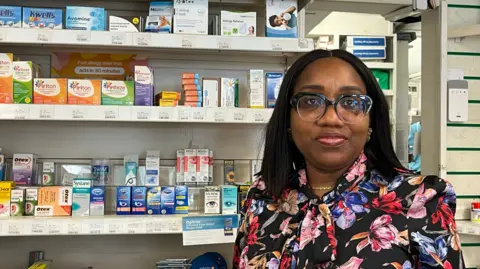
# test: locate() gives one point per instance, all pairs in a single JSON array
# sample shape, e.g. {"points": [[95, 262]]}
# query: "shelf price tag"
{"points": [[184, 114], [3, 36], [45, 113], [114, 227], [165, 113], [84, 36], [224, 44], [276, 46], [259, 116], [136, 228], [471, 230], [20, 113], [119, 39], [54, 227], [79, 113], [188, 43], [38, 227], [220, 116], [199, 115], [143, 39], [111, 114], [142, 114], [74, 228], [95, 228], [13, 228], [239, 116], [44, 36], [153, 227]]}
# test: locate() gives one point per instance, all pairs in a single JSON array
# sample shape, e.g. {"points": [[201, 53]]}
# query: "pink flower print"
{"points": [[259, 184], [353, 263], [417, 210], [358, 168], [382, 235], [302, 177], [243, 259], [310, 228]]}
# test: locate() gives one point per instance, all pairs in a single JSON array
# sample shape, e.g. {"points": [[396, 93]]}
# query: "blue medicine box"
{"points": [[10, 17], [42, 18], [85, 18]]}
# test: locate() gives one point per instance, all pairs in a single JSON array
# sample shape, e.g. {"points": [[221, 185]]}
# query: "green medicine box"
{"points": [[117, 93]]}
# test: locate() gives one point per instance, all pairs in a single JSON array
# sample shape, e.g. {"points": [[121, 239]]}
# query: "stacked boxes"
{"points": [[5, 194], [192, 90], [197, 166], [167, 98]]}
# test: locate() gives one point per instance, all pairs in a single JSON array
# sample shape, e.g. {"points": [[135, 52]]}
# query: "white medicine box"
{"points": [[191, 17]]}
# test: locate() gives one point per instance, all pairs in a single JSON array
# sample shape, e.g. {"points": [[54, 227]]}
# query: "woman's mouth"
{"points": [[331, 140]]}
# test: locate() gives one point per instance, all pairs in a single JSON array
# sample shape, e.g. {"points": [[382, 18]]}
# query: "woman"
{"points": [[331, 192]]}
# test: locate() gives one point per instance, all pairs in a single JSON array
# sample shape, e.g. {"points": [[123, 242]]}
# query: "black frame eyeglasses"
{"points": [[349, 107]]}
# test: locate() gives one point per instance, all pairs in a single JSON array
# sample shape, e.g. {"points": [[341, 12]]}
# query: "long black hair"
{"points": [[280, 152]]}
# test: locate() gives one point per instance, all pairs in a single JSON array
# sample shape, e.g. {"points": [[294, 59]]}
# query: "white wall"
{"points": [[348, 23]]}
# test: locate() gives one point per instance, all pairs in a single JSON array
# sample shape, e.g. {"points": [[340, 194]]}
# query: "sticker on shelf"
{"points": [[239, 116], [44, 36], [165, 113], [3, 36], [303, 43], [111, 113], [20, 113], [184, 114], [55, 227], [38, 227], [276, 46], [79, 113], [199, 115], [74, 228], [44, 113], [12, 228], [93, 227], [153, 226], [259, 116], [143, 39], [136, 227], [220, 116], [141, 113], [119, 39], [84, 37], [114, 227], [188, 42], [224, 44]]}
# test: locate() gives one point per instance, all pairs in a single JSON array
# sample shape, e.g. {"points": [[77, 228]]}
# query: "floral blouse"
{"points": [[366, 221]]}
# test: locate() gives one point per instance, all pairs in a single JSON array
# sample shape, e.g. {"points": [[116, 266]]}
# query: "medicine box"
{"points": [[203, 165], [50, 91], [97, 201], [23, 168], [42, 18], [274, 82], [167, 200], [229, 92], [180, 167], [129, 24], [181, 199], [281, 18], [31, 201], [229, 199], [210, 166], [5, 193], [81, 197], [84, 92], [10, 17], [256, 94], [115, 92], [212, 200], [153, 200], [160, 17], [238, 23], [143, 86], [242, 196], [191, 17], [85, 18], [229, 172], [6, 78], [17, 203], [124, 200], [54, 201], [139, 200], [23, 75], [48, 174], [211, 92], [152, 168], [190, 165]]}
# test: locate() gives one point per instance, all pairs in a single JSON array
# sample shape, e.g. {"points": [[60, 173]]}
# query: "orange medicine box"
{"points": [[190, 81], [192, 93], [6, 78], [54, 201], [50, 91], [190, 76], [84, 92]]}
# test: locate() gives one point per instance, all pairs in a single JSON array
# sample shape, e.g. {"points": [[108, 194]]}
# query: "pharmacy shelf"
{"points": [[388, 92], [464, 31], [379, 65], [134, 113], [144, 41], [468, 227]]}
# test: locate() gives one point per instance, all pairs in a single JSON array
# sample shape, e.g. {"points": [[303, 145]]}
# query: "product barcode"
{"points": [[184, 115], [471, 230], [198, 116], [259, 117], [164, 116], [110, 115], [142, 116], [45, 114], [238, 116], [187, 43], [219, 116], [77, 114]]}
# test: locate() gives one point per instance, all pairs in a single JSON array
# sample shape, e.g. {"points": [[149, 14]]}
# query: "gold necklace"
{"points": [[322, 188]]}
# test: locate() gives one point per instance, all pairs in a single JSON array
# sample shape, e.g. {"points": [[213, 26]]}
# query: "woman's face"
{"points": [[329, 144]]}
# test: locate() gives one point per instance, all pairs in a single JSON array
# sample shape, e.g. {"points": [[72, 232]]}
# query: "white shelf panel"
{"points": [[134, 113], [468, 227], [379, 65], [145, 41], [388, 92], [464, 31]]}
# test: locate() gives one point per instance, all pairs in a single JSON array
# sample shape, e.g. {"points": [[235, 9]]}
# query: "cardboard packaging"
{"points": [[48, 174], [6, 78], [229, 92], [82, 189], [160, 17], [84, 92], [42, 18], [152, 167], [54, 201], [154, 200], [256, 95], [23, 75], [191, 17], [10, 17], [23, 168], [139, 200], [51, 91], [190, 166], [238, 23], [130, 24], [124, 200], [203, 165], [31, 201], [229, 200], [180, 167], [97, 201], [229, 171], [210, 166], [144, 86], [181, 200], [212, 200], [115, 92], [211, 92], [5, 194], [17, 203], [274, 82], [281, 18], [85, 18], [167, 200]]}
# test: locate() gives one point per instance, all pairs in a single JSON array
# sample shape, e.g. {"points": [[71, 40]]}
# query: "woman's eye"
{"points": [[311, 101], [212, 204], [229, 204], [351, 104]]}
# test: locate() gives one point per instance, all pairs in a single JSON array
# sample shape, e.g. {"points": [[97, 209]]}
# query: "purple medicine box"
{"points": [[143, 86]]}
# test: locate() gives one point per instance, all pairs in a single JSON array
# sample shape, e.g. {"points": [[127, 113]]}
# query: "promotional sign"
{"points": [[95, 66], [204, 230]]}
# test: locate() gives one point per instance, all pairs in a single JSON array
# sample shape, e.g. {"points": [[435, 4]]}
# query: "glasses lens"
{"points": [[311, 108], [351, 108]]}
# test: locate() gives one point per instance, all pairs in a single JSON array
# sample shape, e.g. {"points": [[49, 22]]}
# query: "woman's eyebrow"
{"points": [[312, 87], [351, 89]]}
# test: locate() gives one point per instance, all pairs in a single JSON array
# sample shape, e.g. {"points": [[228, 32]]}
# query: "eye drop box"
{"points": [[181, 200], [84, 92], [210, 166], [130, 162], [23, 168], [256, 95], [191, 17], [5, 194], [281, 18], [139, 200], [190, 165], [81, 197], [23, 74], [10, 17], [211, 92], [238, 23], [54, 201], [17, 203], [229, 92], [97, 201], [42, 18], [143, 86], [50, 91], [48, 174], [130, 24], [180, 166], [6, 78], [242, 196], [152, 167], [85, 18], [167, 200], [203, 158], [212, 200], [229, 199], [31, 201], [153, 200], [229, 171], [115, 92], [124, 199], [274, 82]]}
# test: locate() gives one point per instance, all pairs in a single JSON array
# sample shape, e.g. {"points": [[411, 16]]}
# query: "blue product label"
{"points": [[100, 173], [369, 41], [369, 53], [85, 18], [139, 200], [210, 223], [181, 200], [168, 200], [40, 18], [124, 195], [97, 194], [10, 17], [153, 200], [274, 82]]}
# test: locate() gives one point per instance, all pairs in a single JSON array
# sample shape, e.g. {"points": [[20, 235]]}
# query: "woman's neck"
{"points": [[318, 177]]}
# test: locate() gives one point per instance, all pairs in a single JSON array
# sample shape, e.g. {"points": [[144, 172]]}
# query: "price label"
{"points": [[14, 228], [184, 114], [199, 115], [175, 226], [143, 40], [74, 228], [38, 228], [143, 115], [153, 227], [3, 36], [111, 114], [471, 230], [303, 43], [95, 228], [79, 114], [220, 116], [187, 43], [20, 113], [136, 228], [54, 227], [115, 228], [259, 117], [84, 37], [45, 113], [163, 115], [224, 44], [276, 46], [44, 36], [239, 116], [119, 39]]}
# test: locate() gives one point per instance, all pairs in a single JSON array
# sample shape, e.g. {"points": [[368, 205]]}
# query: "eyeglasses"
{"points": [[349, 108]]}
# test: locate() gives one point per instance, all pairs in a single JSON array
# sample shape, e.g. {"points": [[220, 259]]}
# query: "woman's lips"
{"points": [[331, 140]]}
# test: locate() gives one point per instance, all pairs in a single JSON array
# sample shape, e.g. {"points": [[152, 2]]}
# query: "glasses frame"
{"points": [[365, 98]]}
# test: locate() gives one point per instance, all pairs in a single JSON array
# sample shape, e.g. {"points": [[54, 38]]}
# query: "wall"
{"points": [[463, 145], [348, 23]]}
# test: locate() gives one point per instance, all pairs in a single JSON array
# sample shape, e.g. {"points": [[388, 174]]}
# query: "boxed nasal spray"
{"points": [[10, 17], [85, 18], [23, 168], [115, 92], [274, 82], [97, 201], [6, 78], [84, 92], [256, 83], [81, 197], [143, 86], [54, 201], [191, 17], [124, 200], [167, 200], [42, 18], [17, 203], [50, 91], [181, 199], [139, 200], [23, 75], [281, 18], [154, 200], [203, 165], [31, 201]]}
